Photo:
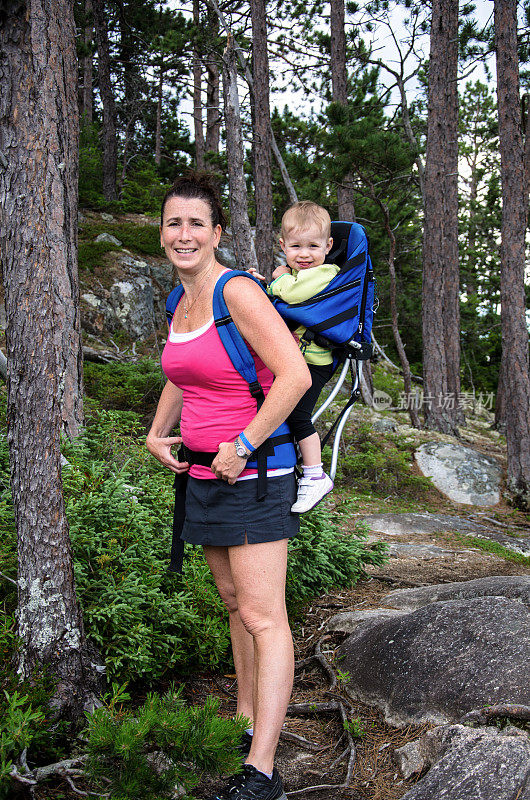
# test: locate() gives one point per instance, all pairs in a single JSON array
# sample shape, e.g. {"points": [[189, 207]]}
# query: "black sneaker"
{"points": [[253, 785], [245, 743]]}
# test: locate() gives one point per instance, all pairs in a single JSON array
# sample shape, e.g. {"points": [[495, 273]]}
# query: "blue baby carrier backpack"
{"points": [[340, 316]]}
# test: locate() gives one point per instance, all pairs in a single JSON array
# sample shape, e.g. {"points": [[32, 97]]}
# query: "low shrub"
{"points": [[146, 622], [378, 464], [142, 239], [124, 386], [145, 753]]}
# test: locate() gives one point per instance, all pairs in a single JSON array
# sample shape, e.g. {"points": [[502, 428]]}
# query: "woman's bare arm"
{"points": [[159, 442]]}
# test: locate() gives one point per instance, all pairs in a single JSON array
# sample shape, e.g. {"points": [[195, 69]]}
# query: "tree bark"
{"points": [[88, 66], [158, 131], [38, 234], [248, 76], [339, 88], [452, 268], [261, 140], [213, 112], [239, 222], [197, 95], [440, 306], [514, 218], [110, 146]]}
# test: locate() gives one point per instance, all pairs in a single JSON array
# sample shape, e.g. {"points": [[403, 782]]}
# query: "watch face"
{"points": [[240, 450]]}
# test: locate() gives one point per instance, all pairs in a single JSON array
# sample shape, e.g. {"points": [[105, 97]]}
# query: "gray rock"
{"points": [[384, 424], [422, 524], [134, 265], [132, 301], [97, 315], [441, 661], [422, 551], [106, 217], [462, 474], [509, 586], [106, 237], [468, 764], [347, 621]]}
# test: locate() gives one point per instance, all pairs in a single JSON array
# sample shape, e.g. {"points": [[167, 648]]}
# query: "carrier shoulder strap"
{"points": [[232, 340]]}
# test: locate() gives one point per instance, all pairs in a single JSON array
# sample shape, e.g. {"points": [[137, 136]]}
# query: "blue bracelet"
{"points": [[246, 442]]}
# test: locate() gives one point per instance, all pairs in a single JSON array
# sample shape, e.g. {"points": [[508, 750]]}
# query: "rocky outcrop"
{"points": [[468, 764], [442, 660], [463, 475], [418, 524], [513, 587]]}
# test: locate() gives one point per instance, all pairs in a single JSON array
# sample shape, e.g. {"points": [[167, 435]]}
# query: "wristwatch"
{"points": [[241, 450]]}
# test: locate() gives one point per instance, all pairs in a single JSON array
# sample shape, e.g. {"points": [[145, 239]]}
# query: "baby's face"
{"points": [[306, 248]]}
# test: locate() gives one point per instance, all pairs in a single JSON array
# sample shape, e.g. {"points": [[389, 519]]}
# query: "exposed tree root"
{"points": [[482, 715], [338, 703]]}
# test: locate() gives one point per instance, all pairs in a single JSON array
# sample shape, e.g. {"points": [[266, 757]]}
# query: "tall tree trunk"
{"points": [[38, 196], [400, 347], [88, 66], [110, 146], [158, 131], [197, 94], [514, 218], [262, 139], [452, 267], [440, 253], [213, 114], [239, 221], [339, 88], [248, 77]]}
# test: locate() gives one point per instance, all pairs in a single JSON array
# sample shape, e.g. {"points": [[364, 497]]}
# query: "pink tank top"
{"points": [[217, 404]]}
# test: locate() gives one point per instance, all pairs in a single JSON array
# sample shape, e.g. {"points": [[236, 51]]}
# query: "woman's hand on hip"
{"points": [[227, 465], [160, 448]]}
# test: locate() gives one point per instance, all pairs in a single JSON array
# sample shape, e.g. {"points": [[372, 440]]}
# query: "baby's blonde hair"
{"points": [[302, 215]]}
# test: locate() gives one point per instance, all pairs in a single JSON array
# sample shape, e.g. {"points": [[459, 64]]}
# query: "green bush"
{"points": [[149, 623], [388, 382], [125, 746], [144, 239], [142, 190], [90, 254], [322, 558], [133, 386], [379, 464], [19, 724], [90, 167]]}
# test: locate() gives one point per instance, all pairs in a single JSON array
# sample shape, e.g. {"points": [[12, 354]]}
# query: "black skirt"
{"points": [[222, 515]]}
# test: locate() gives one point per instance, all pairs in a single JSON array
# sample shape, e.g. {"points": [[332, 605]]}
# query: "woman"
{"points": [[245, 542]]}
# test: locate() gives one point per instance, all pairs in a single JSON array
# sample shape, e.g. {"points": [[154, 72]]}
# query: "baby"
{"points": [[305, 240]]}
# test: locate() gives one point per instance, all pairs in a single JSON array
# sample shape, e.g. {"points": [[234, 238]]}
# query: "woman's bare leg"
{"points": [[242, 642], [258, 575]]}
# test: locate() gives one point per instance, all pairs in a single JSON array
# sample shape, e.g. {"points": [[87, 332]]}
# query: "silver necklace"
{"points": [[187, 309]]}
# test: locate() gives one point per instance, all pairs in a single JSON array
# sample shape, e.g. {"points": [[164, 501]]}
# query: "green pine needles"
{"points": [[165, 744]]}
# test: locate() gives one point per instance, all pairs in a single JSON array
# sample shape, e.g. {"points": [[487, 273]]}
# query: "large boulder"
{"points": [[509, 586], [441, 661], [468, 764], [462, 474]]}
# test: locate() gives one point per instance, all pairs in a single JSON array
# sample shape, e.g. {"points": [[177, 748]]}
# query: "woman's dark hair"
{"points": [[197, 186]]}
